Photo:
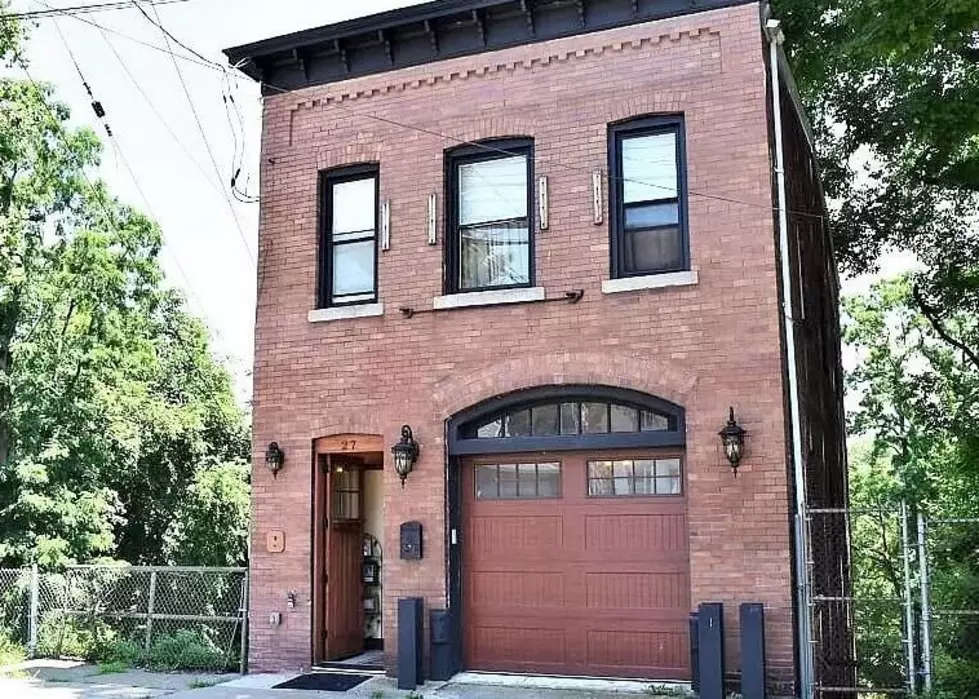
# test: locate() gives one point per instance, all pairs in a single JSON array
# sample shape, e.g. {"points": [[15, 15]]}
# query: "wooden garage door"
{"points": [[576, 563]]}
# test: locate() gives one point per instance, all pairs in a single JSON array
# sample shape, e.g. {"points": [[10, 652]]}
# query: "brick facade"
{"points": [[704, 346]]}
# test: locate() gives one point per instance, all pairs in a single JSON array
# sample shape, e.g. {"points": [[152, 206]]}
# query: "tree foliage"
{"points": [[111, 404], [918, 418]]}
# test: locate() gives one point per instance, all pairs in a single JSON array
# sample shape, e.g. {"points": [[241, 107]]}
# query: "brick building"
{"points": [[548, 237]]}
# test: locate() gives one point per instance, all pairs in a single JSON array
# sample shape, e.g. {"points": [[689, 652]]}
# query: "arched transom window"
{"points": [[567, 417]]}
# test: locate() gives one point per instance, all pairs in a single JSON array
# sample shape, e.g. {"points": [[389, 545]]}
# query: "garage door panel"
{"points": [[490, 590], [495, 646], [637, 591], [634, 534], [514, 536], [577, 584], [621, 648]]}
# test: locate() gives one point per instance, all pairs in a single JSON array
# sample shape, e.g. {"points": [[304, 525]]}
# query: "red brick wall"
{"points": [[705, 347]]}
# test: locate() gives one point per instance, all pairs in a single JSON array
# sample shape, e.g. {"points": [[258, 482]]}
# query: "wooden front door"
{"points": [[576, 563], [344, 622]]}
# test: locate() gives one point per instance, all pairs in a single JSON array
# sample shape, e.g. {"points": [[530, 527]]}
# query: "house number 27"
{"points": [[348, 444]]}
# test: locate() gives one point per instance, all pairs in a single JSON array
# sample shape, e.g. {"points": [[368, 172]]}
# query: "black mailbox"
{"points": [[411, 541]]}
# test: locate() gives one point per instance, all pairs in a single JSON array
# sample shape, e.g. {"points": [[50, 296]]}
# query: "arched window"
{"points": [[567, 417]]}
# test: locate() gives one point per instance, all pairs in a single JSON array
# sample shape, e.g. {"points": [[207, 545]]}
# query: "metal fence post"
{"points": [[925, 603], [243, 660], [150, 602], [908, 602], [35, 613]]}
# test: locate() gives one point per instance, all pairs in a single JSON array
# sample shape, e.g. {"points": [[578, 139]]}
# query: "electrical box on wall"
{"points": [[411, 541], [275, 541]]}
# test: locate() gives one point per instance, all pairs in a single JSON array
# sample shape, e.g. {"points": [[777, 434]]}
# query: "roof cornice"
{"points": [[435, 31]]}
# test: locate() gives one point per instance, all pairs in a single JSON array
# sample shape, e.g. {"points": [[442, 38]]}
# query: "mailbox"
{"points": [[411, 541]]}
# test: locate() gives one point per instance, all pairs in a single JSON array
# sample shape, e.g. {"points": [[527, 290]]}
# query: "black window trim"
{"points": [[462, 423], [490, 149], [327, 179], [644, 126]]}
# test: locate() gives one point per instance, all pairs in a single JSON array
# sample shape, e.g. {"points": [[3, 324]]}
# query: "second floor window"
{"points": [[489, 241], [348, 246], [647, 199]]}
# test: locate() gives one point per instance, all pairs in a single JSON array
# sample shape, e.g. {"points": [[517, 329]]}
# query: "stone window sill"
{"points": [[650, 281], [362, 310], [488, 298]]}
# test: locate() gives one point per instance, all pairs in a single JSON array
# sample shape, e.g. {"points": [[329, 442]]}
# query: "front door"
{"points": [[344, 621]]}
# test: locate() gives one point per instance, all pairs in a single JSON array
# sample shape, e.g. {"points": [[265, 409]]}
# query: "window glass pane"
{"points": [[668, 467], [486, 482], [508, 480], [353, 268], [622, 469], [600, 487], [645, 486], [599, 469], [594, 418], [493, 190], [549, 480], [653, 422], [490, 429], [569, 418], [645, 468], [545, 419], [494, 255], [527, 480], [652, 215], [354, 207], [649, 167], [653, 250], [518, 424], [625, 419], [667, 486]]}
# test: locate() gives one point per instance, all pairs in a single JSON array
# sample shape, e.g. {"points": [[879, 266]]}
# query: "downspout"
{"points": [[803, 601]]}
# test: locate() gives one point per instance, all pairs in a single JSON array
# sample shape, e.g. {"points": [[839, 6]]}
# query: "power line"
{"points": [[200, 126], [84, 9], [119, 156]]}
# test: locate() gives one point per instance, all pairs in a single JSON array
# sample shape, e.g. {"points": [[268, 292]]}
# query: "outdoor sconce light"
{"points": [[732, 437], [405, 454], [274, 457]]}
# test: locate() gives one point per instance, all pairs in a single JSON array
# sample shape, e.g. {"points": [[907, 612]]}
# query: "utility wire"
{"points": [[84, 9], [200, 127]]}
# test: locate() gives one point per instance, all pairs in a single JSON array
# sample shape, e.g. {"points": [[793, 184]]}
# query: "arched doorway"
{"points": [[568, 534]]}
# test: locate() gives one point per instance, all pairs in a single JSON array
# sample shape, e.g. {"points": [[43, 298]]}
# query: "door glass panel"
{"points": [[634, 477], [508, 480], [486, 483], [527, 480], [549, 480]]}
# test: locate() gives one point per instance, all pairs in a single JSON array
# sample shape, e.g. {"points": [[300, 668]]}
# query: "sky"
{"points": [[210, 239]]}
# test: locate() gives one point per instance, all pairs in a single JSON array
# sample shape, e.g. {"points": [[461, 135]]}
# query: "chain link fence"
{"points": [[167, 617], [861, 607]]}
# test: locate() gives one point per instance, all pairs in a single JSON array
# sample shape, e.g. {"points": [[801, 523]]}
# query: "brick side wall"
{"points": [[705, 347]]}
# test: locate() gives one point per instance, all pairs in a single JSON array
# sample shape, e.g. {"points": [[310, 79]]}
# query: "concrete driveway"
{"points": [[57, 679]]}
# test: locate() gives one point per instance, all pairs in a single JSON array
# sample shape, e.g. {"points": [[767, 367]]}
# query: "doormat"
{"points": [[325, 681]]}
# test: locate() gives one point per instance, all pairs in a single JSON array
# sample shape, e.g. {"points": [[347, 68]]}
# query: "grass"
{"points": [[669, 692], [113, 667], [377, 694], [11, 653], [201, 683]]}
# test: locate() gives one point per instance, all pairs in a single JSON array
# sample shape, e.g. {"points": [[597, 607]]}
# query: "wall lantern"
{"points": [[274, 456], [405, 454], [732, 437]]}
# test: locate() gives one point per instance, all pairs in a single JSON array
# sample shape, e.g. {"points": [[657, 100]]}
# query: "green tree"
{"points": [[111, 404]]}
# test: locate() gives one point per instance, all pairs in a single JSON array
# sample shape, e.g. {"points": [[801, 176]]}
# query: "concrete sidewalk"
{"points": [[60, 679]]}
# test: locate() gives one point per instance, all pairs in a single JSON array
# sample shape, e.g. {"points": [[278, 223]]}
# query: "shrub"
{"points": [[120, 652], [184, 650], [11, 652]]}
